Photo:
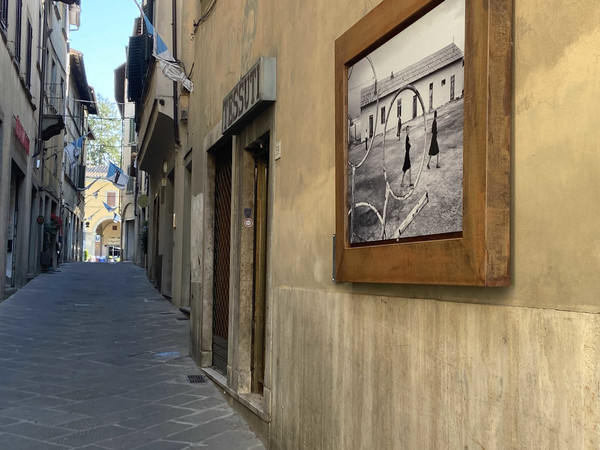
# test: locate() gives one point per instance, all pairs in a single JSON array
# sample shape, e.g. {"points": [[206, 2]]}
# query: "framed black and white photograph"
{"points": [[405, 132], [414, 143]]}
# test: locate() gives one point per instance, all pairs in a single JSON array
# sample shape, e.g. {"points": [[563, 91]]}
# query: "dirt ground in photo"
{"points": [[443, 186]]}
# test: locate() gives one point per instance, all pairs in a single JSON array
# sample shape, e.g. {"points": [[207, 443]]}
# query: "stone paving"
{"points": [[91, 356]]}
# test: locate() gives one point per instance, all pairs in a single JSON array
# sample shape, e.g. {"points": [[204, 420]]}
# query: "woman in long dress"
{"points": [[434, 149], [406, 165]]}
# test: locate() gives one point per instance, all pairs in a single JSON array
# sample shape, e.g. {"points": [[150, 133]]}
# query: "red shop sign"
{"points": [[21, 135]]}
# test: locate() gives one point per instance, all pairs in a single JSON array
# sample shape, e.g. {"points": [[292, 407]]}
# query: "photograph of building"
{"points": [[394, 104]]}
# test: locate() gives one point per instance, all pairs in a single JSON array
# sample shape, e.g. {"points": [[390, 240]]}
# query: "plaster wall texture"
{"points": [[394, 366]]}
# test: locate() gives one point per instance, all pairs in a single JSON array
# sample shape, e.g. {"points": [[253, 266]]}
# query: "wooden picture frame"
{"points": [[477, 254]]}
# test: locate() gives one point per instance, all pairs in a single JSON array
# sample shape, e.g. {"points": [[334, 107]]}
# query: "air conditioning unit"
{"points": [[184, 115]]}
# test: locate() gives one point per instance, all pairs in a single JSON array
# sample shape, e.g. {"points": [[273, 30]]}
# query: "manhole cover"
{"points": [[196, 379]]}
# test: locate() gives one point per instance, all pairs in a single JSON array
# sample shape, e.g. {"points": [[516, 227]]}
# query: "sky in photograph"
{"points": [[441, 26], [102, 38]]}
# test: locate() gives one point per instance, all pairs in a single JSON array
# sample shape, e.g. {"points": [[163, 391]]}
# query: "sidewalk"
{"points": [[91, 356]]}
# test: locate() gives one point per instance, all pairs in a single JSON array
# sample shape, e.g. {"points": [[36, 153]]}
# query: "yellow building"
{"points": [[102, 227]]}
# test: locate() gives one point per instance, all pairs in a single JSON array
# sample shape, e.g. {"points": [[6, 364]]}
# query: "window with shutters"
{"points": [[149, 10], [130, 185], [132, 131], [139, 52], [3, 15], [29, 61], [18, 31], [111, 199], [81, 176], [40, 46]]}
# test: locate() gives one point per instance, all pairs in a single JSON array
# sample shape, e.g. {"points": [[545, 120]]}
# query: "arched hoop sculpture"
{"points": [[354, 166], [388, 188]]}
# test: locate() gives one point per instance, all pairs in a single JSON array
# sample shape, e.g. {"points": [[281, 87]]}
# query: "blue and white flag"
{"points": [[116, 175], [170, 67], [73, 150], [108, 207]]}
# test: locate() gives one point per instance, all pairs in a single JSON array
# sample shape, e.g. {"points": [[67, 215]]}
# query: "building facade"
{"points": [[103, 221], [161, 140], [81, 102], [130, 207], [34, 67], [247, 188], [19, 28]]}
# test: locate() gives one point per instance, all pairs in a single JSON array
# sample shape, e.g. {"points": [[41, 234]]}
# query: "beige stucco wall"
{"points": [[392, 366]]}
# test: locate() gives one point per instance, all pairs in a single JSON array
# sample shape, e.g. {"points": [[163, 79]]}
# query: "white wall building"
{"points": [[439, 78]]}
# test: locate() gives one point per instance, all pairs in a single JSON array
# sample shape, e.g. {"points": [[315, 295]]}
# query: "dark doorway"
{"points": [[222, 240]]}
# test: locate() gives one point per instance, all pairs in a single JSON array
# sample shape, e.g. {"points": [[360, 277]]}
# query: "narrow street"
{"points": [[91, 356]]}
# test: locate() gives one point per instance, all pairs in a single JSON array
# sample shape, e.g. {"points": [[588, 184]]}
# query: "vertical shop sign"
{"points": [[21, 135]]}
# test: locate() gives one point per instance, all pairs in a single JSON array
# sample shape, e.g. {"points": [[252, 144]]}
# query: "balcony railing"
{"points": [[54, 100], [54, 110]]}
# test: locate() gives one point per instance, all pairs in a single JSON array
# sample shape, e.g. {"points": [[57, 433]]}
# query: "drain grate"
{"points": [[196, 379]]}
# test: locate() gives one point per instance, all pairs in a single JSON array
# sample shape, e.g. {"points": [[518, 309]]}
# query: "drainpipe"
{"points": [[175, 97]]}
